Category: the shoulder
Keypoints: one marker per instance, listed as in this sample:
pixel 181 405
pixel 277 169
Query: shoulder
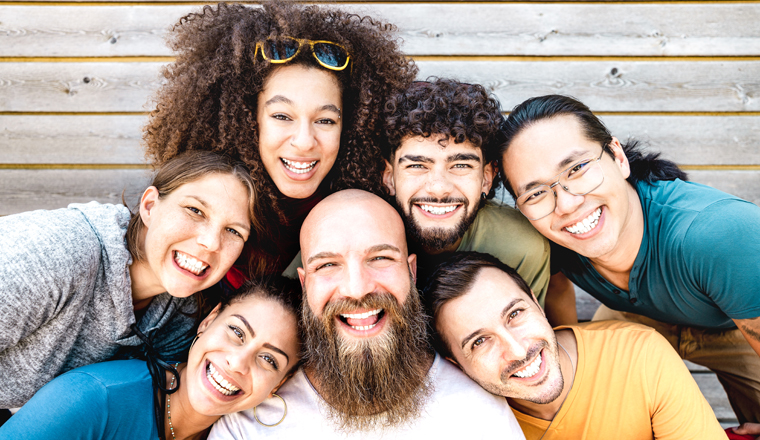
pixel 500 229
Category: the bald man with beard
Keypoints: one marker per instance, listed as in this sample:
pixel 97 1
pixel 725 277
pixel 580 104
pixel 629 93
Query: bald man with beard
pixel 368 370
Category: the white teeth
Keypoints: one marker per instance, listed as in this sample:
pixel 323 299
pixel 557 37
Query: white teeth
pixel 586 224
pixel 218 382
pixel 298 167
pixel 438 210
pixel 531 370
pixel 363 327
pixel 361 315
pixel 189 263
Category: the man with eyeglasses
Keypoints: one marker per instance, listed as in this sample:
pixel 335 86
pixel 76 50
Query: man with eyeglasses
pixel 443 140
pixel 681 257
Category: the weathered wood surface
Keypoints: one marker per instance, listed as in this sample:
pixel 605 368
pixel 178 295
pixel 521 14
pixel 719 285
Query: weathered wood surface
pixel 687 140
pixel 66 139
pixel 622 86
pixel 744 184
pixel 694 140
pixel 26 190
pixel 426 29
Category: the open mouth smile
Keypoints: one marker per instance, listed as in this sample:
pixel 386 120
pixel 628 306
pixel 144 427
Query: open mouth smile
pixel 587 224
pixel 438 210
pixel 219 382
pixel 531 369
pixel 190 263
pixel 362 321
pixel 298 167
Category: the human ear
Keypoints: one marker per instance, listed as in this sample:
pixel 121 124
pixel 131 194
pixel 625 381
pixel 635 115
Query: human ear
pixel 489 171
pixel 209 319
pixel 388 178
pixel 621 160
pixel 412 260
pixel 147 202
pixel 301 274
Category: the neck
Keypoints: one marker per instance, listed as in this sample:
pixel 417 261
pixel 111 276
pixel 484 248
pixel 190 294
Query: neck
pixel 567 367
pixel 616 265
pixel 144 285
pixel 187 423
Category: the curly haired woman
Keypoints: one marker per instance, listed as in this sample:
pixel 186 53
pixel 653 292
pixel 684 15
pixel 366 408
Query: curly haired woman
pixel 294 91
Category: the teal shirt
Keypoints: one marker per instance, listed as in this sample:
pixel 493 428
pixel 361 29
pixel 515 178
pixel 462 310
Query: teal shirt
pixel 108 400
pixel 698 264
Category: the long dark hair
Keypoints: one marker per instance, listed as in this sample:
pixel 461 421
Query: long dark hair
pixel 645 166
pixel 283 290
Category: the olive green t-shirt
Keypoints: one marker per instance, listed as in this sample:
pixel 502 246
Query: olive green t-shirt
pixel 505 233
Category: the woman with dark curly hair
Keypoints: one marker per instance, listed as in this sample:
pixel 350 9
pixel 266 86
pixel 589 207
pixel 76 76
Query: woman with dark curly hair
pixel 294 91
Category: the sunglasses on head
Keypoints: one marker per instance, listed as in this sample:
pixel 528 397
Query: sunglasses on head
pixel 279 50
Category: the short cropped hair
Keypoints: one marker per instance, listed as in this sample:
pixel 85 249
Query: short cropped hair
pixel 453 278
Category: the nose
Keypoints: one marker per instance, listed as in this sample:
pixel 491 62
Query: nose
pixel 438 185
pixel 210 239
pixel 303 139
pixel 359 282
pixel 514 346
pixel 565 203
pixel 238 359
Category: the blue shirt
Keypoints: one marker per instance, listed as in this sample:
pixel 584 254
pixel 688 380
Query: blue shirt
pixel 698 264
pixel 105 400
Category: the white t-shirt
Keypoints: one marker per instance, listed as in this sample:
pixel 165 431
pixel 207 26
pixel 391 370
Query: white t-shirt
pixel 457 408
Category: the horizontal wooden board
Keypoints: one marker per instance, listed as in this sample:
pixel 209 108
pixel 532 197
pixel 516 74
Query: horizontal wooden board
pixel 115 139
pixel 744 184
pixel 693 140
pixel 52 139
pixel 623 86
pixel 426 29
pixel 27 190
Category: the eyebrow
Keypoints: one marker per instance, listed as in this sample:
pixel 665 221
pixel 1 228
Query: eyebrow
pixel 330 108
pixel 564 163
pixel 278 98
pixel 248 326
pixel 200 200
pixel 415 158
pixel 273 348
pixel 504 313
pixel 383 247
pixel 463 156
pixel 320 255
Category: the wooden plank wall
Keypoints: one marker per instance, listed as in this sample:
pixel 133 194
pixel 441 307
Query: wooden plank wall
pixel 75 79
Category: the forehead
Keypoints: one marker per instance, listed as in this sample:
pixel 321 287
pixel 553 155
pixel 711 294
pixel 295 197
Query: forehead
pixel 430 147
pixel 546 148
pixel 353 227
pixel 267 318
pixel 300 82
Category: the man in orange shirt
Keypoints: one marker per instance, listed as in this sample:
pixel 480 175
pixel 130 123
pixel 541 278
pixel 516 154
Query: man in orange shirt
pixel 604 379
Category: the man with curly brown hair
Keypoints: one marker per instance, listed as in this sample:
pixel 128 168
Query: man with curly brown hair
pixel 443 138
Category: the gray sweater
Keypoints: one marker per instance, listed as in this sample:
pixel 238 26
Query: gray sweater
pixel 66 299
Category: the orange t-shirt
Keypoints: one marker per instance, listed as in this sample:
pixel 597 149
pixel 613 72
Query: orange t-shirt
pixel 629 384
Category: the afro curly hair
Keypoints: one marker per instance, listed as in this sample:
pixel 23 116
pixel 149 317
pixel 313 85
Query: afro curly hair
pixel 209 98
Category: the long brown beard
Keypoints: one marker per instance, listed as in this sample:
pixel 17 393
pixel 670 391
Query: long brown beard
pixel 376 382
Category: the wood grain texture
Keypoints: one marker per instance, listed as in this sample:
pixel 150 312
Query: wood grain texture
pixel 69 139
pixel 623 86
pixel 744 184
pixel 709 86
pixel 27 190
pixel 425 28
pixel 77 87
pixel 694 140
pixel 687 140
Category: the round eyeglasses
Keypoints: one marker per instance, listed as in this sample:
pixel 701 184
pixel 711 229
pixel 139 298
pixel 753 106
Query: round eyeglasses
pixel 579 179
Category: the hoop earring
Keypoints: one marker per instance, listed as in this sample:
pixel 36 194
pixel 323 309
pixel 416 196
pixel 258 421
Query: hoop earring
pixel 283 415
pixel 195 339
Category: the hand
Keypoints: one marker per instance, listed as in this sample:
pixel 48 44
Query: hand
pixel 749 430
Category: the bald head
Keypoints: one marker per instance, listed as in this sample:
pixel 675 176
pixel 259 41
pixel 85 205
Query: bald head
pixel 350 213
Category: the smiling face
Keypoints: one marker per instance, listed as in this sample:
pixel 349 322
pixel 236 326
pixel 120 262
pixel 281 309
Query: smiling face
pixel 241 355
pixel 501 339
pixel 547 147
pixel 192 236
pixel 438 189
pixel 352 248
pixel 299 122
